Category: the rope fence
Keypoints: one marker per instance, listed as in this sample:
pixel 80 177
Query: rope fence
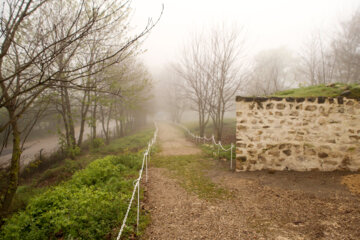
pixel 204 139
pixel 146 158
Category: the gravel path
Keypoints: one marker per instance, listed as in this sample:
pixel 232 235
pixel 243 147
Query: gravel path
pixel 278 206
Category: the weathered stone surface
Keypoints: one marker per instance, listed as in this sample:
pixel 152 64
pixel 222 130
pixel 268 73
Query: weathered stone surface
pixel 322 121
pixel 330 162
pixel 287 152
pixel 321 133
pixel 274 153
pixel 310 152
pixel 280 106
pixel 311 108
pixel 321 99
pixel 354 137
pixel 241 145
pixel 294 113
pixel 269 106
pixel 323 155
pixel 241 127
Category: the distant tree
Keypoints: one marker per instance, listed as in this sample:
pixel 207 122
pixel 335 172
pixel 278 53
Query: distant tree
pixel 273 70
pixel 317 60
pixel 173 91
pixel 346 48
pixel 213 68
pixel 197 82
pixel 226 68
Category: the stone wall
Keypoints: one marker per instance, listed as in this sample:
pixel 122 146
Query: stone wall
pixel 301 134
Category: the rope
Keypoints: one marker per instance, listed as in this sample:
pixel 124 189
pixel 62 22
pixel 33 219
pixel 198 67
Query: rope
pixel 146 157
pixel 204 138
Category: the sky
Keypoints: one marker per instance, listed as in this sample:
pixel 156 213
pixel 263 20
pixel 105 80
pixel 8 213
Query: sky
pixel 267 23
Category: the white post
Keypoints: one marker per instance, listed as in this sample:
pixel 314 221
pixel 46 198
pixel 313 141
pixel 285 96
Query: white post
pixel 138 208
pixel 231 156
pixel 146 167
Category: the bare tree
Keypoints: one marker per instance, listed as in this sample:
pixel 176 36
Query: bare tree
pixel 317 61
pixel 197 83
pixel 173 91
pixel 213 67
pixel 225 67
pixel 272 71
pixel 38 39
pixel 346 47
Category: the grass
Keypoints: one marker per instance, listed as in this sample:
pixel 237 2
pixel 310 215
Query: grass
pixel 322 90
pixel 229 130
pixel 192 173
pixel 58 176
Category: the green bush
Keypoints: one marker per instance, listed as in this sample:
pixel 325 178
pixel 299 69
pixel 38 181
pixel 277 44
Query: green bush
pixel 97 143
pixel 88 206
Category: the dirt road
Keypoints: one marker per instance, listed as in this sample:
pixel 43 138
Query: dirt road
pixel 281 205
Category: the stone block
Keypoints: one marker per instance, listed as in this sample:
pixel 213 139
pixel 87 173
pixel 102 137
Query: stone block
pixel 241 145
pixel 310 108
pixel 269 106
pixel 280 106
pixel 354 137
pixel 241 158
pixel 287 152
pixel 294 114
pixel 241 127
pixel 274 153
pixel 323 155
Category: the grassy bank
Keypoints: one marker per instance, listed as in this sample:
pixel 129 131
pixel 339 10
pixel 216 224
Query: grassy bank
pixel 332 90
pixel 89 203
pixel 40 175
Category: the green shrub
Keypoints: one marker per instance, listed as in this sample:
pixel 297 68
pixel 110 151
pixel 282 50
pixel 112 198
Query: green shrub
pixel 97 143
pixel 88 206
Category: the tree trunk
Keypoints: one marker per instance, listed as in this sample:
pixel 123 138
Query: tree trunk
pixel 13 177
pixel 70 119
pixel 94 120
pixel 84 111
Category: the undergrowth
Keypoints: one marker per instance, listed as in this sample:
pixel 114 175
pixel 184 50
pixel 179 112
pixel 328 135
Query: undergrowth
pixel 91 205
pixel 61 171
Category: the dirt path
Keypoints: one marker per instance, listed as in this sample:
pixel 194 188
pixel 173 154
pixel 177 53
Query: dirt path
pixel 264 206
pixel 49 145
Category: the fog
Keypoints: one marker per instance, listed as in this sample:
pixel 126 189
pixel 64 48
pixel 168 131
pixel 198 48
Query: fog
pixel 268 24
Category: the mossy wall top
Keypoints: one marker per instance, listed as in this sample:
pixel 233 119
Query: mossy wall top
pixel 302 134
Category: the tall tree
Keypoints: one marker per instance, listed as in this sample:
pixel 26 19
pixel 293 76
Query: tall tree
pixel 37 41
